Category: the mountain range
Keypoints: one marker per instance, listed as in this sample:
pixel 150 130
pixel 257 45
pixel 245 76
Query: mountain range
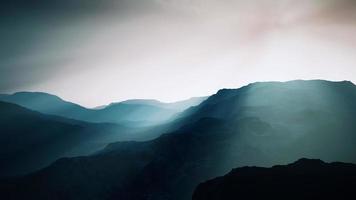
pixel 261 124
pixel 138 112
pixel 32 139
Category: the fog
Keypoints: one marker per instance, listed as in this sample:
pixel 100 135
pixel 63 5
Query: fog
pixel 94 53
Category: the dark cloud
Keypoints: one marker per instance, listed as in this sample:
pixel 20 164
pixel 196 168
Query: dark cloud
pixel 72 7
pixel 26 26
pixel 57 5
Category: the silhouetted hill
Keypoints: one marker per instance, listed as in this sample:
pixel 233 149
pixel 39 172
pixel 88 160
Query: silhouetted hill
pixel 262 124
pixel 30 140
pixel 131 113
pixel 304 179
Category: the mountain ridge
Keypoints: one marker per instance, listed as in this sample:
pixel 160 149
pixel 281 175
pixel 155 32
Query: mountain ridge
pixel 260 125
pixel 139 112
pixel 31 140
pixel 302 179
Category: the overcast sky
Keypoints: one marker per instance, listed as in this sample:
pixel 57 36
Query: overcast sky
pixel 96 52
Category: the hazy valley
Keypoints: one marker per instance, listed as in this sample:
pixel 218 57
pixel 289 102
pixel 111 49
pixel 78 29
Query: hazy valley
pixel 261 124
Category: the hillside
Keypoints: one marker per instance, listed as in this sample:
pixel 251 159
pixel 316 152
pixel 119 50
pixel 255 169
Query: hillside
pixel 304 179
pixel 30 140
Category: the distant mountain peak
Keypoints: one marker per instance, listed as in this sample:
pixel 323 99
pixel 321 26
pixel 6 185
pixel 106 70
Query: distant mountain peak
pixel 293 84
pixel 35 93
pixel 307 161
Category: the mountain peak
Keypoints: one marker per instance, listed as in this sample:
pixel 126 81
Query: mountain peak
pixel 141 101
pixel 293 84
pixel 307 161
pixel 36 94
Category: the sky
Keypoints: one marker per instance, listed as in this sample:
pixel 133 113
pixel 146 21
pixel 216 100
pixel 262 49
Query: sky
pixel 96 52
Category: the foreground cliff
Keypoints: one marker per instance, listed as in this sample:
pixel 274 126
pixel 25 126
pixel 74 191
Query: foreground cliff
pixel 303 179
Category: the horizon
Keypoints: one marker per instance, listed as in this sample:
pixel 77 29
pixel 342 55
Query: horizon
pixel 169 102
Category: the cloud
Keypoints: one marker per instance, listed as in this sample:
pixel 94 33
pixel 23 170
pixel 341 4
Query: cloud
pixel 154 48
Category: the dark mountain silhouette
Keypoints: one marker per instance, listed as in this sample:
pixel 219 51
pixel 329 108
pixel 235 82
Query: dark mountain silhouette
pixel 131 113
pixel 304 179
pixel 30 140
pixel 262 124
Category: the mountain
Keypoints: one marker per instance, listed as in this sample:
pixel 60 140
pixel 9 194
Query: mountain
pixel 261 124
pixel 131 112
pixel 304 179
pixel 143 112
pixel 179 105
pixel 134 114
pixel 47 104
pixel 31 140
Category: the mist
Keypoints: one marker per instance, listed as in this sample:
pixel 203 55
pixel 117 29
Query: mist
pixel 93 53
